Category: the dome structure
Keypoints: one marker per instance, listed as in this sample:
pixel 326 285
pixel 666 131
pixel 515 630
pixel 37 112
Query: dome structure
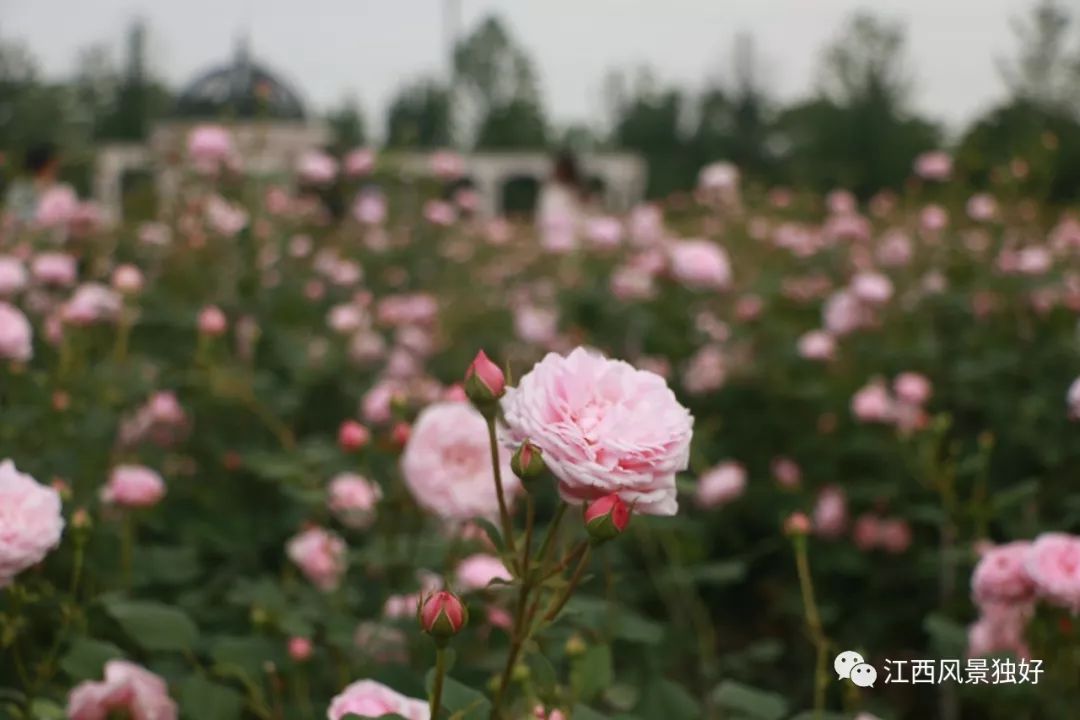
pixel 241 89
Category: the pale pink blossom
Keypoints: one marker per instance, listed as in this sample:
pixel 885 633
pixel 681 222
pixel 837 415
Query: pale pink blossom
pixel 872 287
pixel 537 325
pixel 352 498
pixel 127 279
pixel 830 512
pixel 133 486
pixel 370 208
pixel 720 485
pixel 439 212
pixel 212 321
pixel 53 268
pixel 447 463
pixel 935 166
pixel 786 471
pixel 360 161
pixel 13 275
pixel 316 167
pixel 320 555
pixel 912 388
pixel 604 427
pixel 30 521
pixel 128 690
pixel 478 571
pixel 706 371
pixel 873 403
pixel 1001 575
pixel 447 165
pixel 209 146
pixel 1053 564
pixel 604 232
pixel 57 206
pixel 371 699
pixel 817 345
pixel 92 303
pixel 700 264
pixel 16 334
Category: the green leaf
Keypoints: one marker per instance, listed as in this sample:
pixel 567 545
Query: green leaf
pixel 46 710
pixel 460 698
pixel 201 699
pixel 249 654
pixel 749 702
pixel 167 565
pixel 86 657
pixel 154 626
pixel 592 672
pixel 948 636
pixel 664 700
pixel 542 673
pixel 493 534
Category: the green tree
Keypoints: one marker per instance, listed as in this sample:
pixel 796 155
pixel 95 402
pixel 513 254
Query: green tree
pixel 346 123
pixel 419 117
pixel 860 131
pixel 497 100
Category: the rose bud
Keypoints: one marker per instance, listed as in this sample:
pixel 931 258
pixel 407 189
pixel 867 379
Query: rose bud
pixel 484 381
pixel 443 615
pixel 299 648
pixel 212 321
pixel 797 524
pixel 527 462
pixel 352 436
pixel 606 518
pixel 399 434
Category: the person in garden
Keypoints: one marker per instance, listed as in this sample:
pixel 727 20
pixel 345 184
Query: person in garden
pixel 41 167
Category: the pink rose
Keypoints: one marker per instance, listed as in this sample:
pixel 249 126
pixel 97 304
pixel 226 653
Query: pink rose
pixel 360 161
pixel 842 313
pixel 830 512
pixel 786 471
pixel 127 279
pixel 133 486
pixel 646 225
pixel 817 345
pixel 352 498
pixel 1000 628
pixel 706 371
pixel 1001 576
pixel 30 521
pixel 700 264
pixel 447 463
pixel 1054 566
pixel 370 208
pixel 719 176
pixel 92 303
pixel 1072 399
pixel 604 427
pixel 316 167
pixel 536 325
pixel 720 485
pixel 872 288
pixel 912 388
pixel 13 276
pixel 212 321
pixel 447 165
pixel 872 403
pixel 320 555
pixel 16 335
pixel 53 268
pixel 439 212
pixel 605 232
pixel 370 699
pixel 128 690
pixel 982 207
pixel 476 572
pixel 935 166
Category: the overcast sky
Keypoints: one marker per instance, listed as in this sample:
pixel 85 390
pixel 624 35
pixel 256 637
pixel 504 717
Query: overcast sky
pixel 328 48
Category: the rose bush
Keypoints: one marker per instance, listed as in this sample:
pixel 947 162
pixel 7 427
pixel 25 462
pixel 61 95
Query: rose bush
pixel 254 439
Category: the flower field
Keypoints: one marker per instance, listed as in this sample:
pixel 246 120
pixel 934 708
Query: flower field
pixel 262 460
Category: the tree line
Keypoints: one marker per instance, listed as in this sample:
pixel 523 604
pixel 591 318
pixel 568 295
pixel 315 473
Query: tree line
pixel 856 128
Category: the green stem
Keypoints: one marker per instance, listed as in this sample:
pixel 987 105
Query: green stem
pixel 813 624
pixel 437 687
pixel 561 600
pixel 504 514
pixel 552 531
pixel 127 547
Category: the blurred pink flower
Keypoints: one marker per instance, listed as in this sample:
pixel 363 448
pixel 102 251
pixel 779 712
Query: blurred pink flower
pixel 720 485
pixel 872 288
pixel 13 275
pixel 982 207
pixel 817 345
pixel 439 212
pixel 604 232
pixel 912 388
pixel 16 335
pixel 1001 575
pixel 370 208
pixel 30 521
pixel 352 498
pixel 447 463
pixel 212 321
pixel 320 555
pixel 371 699
pixel 1000 628
pixel 300 648
pixel 604 427
pixel 92 303
pixel 873 403
pixel 209 146
pixel 360 161
pixel 706 370
pixel 646 225
pixel 127 279
pixel 786 472
pixel 53 268
pixel 133 486
pixel 476 572
pixel 316 167
pixel 830 512
pixel 1053 564
pixel 128 690
pixel 700 264
pixel 447 165
pixel 935 166
pixel 536 325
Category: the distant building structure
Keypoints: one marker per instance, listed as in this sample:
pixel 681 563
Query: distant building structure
pixel 271 129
